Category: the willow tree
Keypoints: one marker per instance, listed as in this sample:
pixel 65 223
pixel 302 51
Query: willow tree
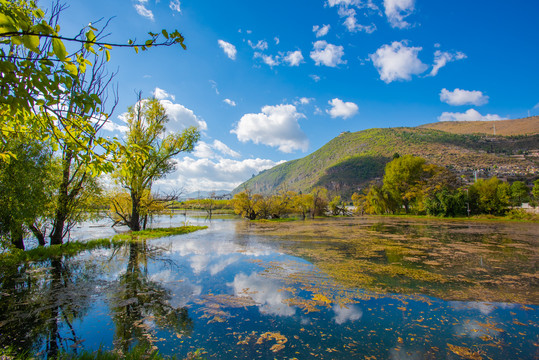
pixel 148 153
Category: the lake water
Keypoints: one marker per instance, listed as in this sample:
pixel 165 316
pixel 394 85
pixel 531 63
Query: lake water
pixel 376 288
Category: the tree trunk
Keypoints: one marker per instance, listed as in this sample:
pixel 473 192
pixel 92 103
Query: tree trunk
pixel 135 212
pixel 145 222
pixel 17 236
pixel 57 233
pixel 38 234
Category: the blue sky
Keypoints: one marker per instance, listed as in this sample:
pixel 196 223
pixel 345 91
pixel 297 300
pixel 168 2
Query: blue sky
pixel 269 81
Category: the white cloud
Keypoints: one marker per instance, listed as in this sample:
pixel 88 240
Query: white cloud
pixel 212 174
pixel 112 126
pixel 470 115
pixel 230 102
pixel 536 106
pixel 441 58
pixel 208 151
pixel 277 41
pixel 397 61
pixel 260 45
pixel 203 150
pixel 347 11
pixel 459 97
pixel 305 101
pixel 181 117
pixel 269 60
pixel 174 5
pixel 327 54
pixel 228 48
pixel 143 11
pixel 214 86
pixel 161 94
pixel 316 78
pixel 333 3
pixel 294 58
pixel 342 109
pixel 321 30
pixel 220 146
pixel 397 10
pixel 351 21
pixel 275 126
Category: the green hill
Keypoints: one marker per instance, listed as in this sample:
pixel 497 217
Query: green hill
pixel 352 160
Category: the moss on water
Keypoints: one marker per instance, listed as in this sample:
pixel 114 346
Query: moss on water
pixel 479 261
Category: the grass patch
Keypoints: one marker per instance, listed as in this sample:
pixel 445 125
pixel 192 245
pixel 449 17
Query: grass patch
pixel 16 256
pixel 157 233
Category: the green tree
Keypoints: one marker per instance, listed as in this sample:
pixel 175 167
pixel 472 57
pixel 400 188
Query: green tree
pixel 379 201
pixel 535 190
pixel 446 202
pixel 519 192
pixel 148 153
pixel 491 196
pixel 26 187
pixel 359 203
pixel 337 206
pixel 401 177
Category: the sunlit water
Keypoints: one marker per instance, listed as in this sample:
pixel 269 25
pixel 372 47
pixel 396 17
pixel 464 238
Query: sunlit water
pixel 239 295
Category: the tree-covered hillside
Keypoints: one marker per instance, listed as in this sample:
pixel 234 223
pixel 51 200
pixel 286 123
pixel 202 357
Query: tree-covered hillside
pixel 350 161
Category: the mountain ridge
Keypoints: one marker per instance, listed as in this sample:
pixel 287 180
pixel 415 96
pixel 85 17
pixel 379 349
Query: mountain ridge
pixel 351 160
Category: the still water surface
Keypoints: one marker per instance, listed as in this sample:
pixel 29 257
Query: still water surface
pixel 267 291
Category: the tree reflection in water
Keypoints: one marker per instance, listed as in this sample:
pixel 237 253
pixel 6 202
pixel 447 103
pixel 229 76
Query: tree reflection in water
pixel 139 305
pixel 39 303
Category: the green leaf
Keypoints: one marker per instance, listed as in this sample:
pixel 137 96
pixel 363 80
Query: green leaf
pixel 59 49
pixel 136 49
pixel 165 33
pixel 107 53
pixel 31 42
pixel 6 22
